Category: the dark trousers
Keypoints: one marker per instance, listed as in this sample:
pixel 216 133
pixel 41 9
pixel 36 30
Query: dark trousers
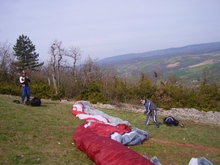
pixel 153 115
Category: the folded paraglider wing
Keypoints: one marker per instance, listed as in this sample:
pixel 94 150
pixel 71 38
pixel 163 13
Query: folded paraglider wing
pixel 105 151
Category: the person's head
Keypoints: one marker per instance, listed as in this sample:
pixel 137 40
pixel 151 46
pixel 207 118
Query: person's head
pixel 24 72
pixel 142 101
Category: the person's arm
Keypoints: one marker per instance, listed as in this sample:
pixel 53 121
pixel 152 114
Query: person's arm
pixel 22 80
pixel 147 105
pixel 27 79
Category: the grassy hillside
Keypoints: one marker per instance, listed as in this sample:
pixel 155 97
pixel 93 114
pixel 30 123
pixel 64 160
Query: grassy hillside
pixel 185 67
pixel 43 135
pixel 164 53
pixel 189 63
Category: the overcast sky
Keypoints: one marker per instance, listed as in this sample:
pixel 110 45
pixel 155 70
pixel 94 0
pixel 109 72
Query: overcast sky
pixel 105 28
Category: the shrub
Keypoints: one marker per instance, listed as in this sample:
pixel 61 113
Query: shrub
pixel 96 97
pixel 42 90
pixel 10 89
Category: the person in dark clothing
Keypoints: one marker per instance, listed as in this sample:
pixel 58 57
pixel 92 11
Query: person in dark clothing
pixel 24 82
pixel 151 109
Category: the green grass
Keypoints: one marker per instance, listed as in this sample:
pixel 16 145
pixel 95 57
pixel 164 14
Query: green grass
pixel 43 135
pixel 38 135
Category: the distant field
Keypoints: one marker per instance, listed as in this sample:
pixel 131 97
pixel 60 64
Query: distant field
pixel 43 135
pixel 187 67
pixel 173 65
pixel 202 63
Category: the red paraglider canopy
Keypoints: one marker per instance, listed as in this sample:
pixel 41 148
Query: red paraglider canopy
pixel 105 151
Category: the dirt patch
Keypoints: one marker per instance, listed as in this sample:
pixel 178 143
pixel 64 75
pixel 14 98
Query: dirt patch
pixel 168 143
pixel 173 65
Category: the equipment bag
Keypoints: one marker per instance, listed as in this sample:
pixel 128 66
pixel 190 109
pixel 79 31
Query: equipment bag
pixel 170 121
pixel 36 101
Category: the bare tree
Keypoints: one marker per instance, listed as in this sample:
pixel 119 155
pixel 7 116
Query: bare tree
pixel 156 77
pixel 75 54
pixel 6 60
pixel 90 71
pixel 57 52
pixel 173 79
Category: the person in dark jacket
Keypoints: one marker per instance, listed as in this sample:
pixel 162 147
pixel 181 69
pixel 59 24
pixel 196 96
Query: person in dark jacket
pixel 151 109
pixel 24 82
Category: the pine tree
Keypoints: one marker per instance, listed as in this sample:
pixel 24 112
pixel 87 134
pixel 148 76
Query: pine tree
pixel 27 58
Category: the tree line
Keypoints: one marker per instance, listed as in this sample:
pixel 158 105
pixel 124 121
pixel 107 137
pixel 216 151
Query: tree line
pixel 67 76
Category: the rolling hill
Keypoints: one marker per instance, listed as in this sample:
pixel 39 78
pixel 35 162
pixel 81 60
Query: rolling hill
pixel 189 63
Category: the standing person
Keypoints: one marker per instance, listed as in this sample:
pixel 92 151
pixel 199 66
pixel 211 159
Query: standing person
pixel 24 81
pixel 152 109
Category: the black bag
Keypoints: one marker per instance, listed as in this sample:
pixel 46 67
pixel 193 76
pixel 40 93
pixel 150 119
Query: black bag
pixel 36 101
pixel 170 121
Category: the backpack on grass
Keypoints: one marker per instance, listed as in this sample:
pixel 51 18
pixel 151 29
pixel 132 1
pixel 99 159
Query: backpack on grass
pixel 170 121
pixel 36 101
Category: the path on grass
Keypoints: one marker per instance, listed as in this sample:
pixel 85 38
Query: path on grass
pixel 163 142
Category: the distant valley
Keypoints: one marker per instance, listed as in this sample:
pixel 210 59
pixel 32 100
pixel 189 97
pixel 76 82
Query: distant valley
pixel 192 63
